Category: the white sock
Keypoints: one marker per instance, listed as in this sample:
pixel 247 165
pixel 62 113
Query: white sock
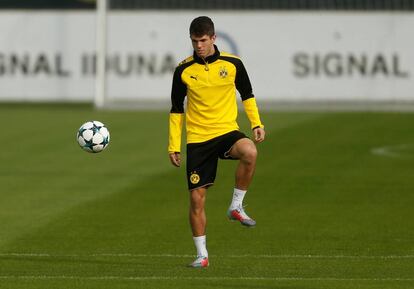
pixel 238 196
pixel 200 243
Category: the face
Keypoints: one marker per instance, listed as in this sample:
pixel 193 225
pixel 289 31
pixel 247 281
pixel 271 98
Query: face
pixel 204 45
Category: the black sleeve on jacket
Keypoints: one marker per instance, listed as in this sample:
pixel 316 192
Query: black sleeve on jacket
pixel 179 89
pixel 243 84
pixel 178 92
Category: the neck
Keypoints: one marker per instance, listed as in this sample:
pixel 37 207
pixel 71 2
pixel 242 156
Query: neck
pixel 212 51
pixel 210 57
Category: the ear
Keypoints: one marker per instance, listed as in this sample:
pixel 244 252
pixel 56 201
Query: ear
pixel 213 37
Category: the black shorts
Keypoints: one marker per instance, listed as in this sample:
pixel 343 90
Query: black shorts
pixel 202 158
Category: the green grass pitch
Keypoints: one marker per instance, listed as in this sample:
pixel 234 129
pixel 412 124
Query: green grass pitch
pixel 333 197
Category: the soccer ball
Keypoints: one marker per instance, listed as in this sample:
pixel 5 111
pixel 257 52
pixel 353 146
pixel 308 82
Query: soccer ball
pixel 93 136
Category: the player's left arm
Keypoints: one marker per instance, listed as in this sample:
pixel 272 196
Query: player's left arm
pixel 252 112
pixel 244 87
pixel 259 134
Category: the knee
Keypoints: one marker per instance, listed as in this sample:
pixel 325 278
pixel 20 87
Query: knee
pixel 250 154
pixel 197 199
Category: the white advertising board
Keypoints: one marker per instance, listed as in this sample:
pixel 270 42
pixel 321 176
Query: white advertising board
pixel 289 56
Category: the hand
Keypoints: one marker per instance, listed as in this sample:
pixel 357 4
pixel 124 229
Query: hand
pixel 175 158
pixel 259 134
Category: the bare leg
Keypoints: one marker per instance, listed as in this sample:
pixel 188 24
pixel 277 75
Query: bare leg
pixel 244 150
pixel 197 212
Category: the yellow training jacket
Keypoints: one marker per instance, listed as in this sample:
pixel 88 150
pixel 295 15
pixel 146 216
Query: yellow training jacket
pixel 210 86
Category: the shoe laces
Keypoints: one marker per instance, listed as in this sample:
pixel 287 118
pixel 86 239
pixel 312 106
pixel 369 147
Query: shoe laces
pixel 241 211
pixel 200 258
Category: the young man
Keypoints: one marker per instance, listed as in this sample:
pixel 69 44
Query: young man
pixel 209 79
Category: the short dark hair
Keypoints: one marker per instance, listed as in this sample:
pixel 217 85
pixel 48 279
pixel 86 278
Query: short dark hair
pixel 202 25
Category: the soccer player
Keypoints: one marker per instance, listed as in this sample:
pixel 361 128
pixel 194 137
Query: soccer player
pixel 209 79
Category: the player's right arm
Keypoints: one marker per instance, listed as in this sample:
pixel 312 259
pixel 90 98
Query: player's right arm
pixel 175 159
pixel 176 119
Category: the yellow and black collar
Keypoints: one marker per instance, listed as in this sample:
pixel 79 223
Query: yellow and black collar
pixel 208 59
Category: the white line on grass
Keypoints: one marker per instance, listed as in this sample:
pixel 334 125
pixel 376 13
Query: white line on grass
pixel 259 256
pixel 322 256
pixel 395 151
pixel 170 278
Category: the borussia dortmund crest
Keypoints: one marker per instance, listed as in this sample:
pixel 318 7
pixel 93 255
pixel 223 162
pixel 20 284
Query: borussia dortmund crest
pixel 223 72
pixel 194 178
